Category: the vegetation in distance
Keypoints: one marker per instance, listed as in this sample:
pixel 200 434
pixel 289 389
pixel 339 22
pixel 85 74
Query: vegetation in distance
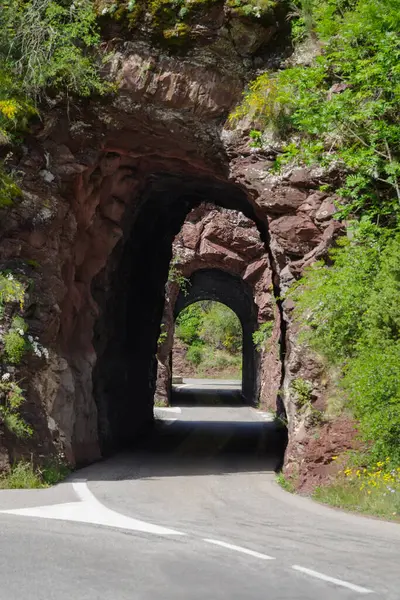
pixel 212 336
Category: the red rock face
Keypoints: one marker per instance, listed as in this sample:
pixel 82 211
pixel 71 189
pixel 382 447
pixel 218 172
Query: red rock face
pixel 87 177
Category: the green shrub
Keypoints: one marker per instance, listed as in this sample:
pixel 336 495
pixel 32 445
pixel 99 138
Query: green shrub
pixel 53 472
pixel 14 346
pixel 355 126
pixel 222 363
pixel 11 396
pixel 252 8
pixel 175 275
pixel 262 335
pixel 302 390
pixel 50 44
pixel 189 323
pixel 11 290
pixel 9 190
pixel 285 483
pixel 23 475
pixel 351 315
pixel 194 355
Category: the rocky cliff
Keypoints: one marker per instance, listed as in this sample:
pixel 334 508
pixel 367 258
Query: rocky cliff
pixel 106 187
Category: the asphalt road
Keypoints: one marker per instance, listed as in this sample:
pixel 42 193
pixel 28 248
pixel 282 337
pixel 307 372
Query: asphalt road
pixel 194 515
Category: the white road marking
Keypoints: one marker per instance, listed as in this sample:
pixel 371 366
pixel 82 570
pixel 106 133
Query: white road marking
pixel 171 409
pixel 90 510
pixel 350 586
pixel 239 549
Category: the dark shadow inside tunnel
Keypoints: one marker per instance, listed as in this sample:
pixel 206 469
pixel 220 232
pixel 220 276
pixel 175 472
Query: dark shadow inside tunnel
pixel 199 447
pixel 130 294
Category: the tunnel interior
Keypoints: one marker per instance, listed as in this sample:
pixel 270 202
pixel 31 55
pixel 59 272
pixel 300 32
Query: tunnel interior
pixel 130 294
pixel 234 292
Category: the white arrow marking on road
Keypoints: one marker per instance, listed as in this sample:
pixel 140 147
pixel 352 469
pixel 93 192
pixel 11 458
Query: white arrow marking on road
pixel 90 510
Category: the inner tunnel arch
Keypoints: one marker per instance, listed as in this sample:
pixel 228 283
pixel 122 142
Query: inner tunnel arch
pixel 237 294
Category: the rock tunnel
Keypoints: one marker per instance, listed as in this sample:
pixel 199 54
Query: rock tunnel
pixel 234 292
pixel 130 294
pixel 106 188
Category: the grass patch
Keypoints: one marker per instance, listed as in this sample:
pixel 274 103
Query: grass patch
pixel 23 475
pixel 373 491
pixel 285 483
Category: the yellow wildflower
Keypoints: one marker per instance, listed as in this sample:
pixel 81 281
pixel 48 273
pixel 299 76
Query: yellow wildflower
pixel 8 108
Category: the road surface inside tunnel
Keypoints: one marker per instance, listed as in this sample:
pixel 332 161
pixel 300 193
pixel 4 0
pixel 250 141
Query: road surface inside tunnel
pixel 194 513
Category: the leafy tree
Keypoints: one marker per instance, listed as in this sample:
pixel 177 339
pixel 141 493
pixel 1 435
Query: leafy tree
pixel 221 328
pixel 189 323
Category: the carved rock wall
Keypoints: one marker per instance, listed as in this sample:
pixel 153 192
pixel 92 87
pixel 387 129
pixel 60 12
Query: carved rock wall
pixel 98 260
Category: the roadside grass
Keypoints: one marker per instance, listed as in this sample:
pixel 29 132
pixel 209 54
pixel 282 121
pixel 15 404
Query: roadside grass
pixel 285 483
pixel 23 475
pixel 374 491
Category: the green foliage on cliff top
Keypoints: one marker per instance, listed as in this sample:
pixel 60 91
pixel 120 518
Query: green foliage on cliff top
pixel 47 48
pixel 172 20
pixel 48 45
pixel 343 109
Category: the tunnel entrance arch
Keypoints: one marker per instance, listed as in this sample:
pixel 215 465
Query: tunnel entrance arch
pixel 130 297
pixel 234 292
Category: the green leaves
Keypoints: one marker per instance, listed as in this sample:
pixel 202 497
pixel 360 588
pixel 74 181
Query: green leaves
pixel 50 44
pixel 344 108
pixel 351 315
pixel 11 290
pixel 262 336
pixel 47 47
pixel 210 323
